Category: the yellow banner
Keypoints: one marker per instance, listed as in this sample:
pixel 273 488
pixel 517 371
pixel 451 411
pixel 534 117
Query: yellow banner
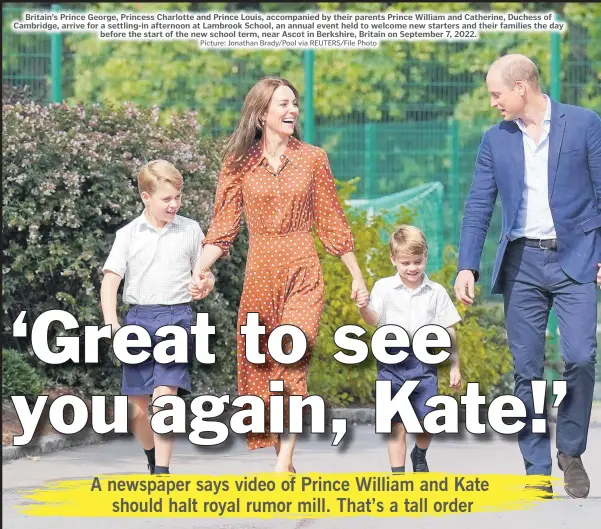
pixel 310 495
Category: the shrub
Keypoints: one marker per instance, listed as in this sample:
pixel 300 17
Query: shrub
pixel 18 377
pixel 69 182
pixel 12 94
pixel 481 334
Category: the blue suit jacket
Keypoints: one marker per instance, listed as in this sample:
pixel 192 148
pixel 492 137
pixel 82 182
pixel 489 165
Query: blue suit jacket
pixel 574 192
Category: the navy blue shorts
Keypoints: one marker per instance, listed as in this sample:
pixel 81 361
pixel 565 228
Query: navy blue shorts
pixel 411 369
pixel 427 387
pixel 141 379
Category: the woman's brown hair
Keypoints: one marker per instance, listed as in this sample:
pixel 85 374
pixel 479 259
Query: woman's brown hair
pixel 250 128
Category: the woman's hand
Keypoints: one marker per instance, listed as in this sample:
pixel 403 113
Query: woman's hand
pixel 359 292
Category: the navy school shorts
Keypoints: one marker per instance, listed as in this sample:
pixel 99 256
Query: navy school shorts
pixel 141 379
pixel 411 369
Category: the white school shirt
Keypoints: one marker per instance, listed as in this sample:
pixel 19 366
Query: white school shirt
pixel 411 309
pixel 156 263
pixel 534 219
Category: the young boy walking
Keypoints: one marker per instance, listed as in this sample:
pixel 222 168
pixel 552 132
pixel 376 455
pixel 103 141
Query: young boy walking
pixel 411 300
pixel 155 254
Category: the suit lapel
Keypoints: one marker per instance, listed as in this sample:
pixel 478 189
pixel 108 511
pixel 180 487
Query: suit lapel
pixel 555 138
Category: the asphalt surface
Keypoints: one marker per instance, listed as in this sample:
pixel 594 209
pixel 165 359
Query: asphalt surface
pixel 361 451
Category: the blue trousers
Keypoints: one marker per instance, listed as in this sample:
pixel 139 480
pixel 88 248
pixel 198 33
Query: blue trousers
pixel 533 282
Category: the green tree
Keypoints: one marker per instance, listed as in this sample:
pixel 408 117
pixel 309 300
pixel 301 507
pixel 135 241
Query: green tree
pixel 400 80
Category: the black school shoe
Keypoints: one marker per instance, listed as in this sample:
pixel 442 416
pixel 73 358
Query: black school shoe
pixel 418 460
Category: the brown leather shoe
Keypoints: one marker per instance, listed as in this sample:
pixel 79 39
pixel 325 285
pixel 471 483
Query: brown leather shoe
pixel 576 480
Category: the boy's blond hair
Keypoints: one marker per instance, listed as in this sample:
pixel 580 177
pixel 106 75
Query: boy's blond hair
pixel 157 171
pixel 408 240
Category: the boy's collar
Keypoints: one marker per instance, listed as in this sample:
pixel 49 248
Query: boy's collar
pixel 398 282
pixel 145 222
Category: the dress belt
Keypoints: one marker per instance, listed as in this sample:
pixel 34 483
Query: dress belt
pixel 543 244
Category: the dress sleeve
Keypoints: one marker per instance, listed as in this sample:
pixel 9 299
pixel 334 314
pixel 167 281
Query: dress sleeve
pixel 330 222
pixel 227 211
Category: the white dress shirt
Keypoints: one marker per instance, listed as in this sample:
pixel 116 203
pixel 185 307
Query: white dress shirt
pixel 534 219
pixel 411 309
pixel 156 263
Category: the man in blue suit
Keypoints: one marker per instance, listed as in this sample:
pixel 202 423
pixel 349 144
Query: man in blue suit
pixel 544 162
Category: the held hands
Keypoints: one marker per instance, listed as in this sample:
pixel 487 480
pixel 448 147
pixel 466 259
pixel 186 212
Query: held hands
pixel 359 293
pixel 464 287
pixel 362 300
pixel 201 285
pixel 115 326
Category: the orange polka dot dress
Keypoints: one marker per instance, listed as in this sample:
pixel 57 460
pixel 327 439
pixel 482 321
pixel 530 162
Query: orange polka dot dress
pixel 283 281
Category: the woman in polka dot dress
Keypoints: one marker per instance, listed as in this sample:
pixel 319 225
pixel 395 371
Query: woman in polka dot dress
pixel 285 188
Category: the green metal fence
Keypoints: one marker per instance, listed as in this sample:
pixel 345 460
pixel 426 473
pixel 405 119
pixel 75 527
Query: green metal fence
pixel 425 203
pixel 402 116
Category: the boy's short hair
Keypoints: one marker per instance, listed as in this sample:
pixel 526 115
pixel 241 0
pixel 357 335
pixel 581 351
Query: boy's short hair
pixel 157 171
pixel 409 240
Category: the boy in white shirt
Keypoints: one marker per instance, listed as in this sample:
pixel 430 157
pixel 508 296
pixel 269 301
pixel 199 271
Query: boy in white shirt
pixel 155 254
pixel 411 300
